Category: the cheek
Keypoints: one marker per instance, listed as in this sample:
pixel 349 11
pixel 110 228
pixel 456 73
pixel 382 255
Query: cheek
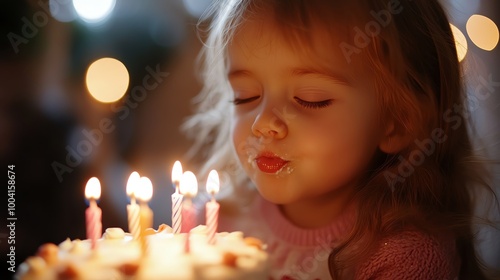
pixel 337 160
pixel 362 121
pixel 240 135
pixel 235 134
pixel 362 139
pixel 346 143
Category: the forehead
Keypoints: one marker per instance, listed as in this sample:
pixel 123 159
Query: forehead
pixel 317 46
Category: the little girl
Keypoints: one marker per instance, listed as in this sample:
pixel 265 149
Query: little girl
pixel 338 114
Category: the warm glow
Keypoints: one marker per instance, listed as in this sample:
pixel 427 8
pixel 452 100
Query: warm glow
pixel 460 42
pixel 483 32
pixel 133 183
pixel 145 190
pixel 107 80
pixel 176 172
pixel 213 182
pixel 93 189
pixel 189 184
pixel 93 10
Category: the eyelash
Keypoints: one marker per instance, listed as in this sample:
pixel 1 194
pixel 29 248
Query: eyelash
pixel 313 105
pixel 239 101
pixel 303 103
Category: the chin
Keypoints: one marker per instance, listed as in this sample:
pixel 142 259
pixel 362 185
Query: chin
pixel 273 188
pixel 275 200
pixel 275 197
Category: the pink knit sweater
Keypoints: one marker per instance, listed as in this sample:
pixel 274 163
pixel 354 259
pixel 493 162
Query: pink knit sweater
pixel 301 254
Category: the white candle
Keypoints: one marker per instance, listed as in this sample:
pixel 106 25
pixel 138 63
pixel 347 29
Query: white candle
pixel 176 198
pixel 212 207
pixel 144 194
pixel 189 188
pixel 93 214
pixel 133 209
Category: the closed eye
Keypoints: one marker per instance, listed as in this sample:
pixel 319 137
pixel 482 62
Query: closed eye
pixel 239 101
pixel 315 104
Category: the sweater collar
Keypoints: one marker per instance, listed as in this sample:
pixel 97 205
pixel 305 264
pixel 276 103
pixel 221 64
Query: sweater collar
pixel 295 235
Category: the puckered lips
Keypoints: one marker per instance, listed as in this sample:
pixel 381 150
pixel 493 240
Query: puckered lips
pixel 269 162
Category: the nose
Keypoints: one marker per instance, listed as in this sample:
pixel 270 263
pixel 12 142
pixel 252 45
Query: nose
pixel 270 124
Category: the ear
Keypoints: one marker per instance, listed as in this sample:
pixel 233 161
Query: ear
pixel 394 139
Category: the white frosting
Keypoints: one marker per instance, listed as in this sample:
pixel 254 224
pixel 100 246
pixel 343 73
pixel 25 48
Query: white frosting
pixel 164 258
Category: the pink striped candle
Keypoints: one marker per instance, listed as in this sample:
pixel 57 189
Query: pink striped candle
pixel 134 227
pixel 93 214
pixel 133 208
pixel 177 212
pixel 176 198
pixel 189 188
pixel 188 215
pixel 212 207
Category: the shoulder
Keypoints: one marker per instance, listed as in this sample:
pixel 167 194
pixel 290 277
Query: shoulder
pixel 412 255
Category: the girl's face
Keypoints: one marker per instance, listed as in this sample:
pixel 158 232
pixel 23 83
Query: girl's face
pixel 306 124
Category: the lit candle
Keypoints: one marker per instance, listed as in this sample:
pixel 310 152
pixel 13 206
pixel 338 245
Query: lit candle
pixel 189 188
pixel 93 213
pixel 133 208
pixel 144 194
pixel 176 198
pixel 212 207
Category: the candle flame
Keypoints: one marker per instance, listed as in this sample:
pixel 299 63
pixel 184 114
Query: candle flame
pixel 213 184
pixel 145 190
pixel 176 172
pixel 133 183
pixel 93 189
pixel 189 184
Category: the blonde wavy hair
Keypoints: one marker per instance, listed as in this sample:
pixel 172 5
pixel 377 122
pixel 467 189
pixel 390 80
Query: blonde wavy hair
pixel 418 81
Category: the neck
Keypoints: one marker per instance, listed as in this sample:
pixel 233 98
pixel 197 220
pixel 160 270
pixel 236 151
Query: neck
pixel 318 212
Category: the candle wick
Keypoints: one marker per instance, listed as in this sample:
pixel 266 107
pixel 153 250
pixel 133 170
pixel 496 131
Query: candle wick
pixel 132 200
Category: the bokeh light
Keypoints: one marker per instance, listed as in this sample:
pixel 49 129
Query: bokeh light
pixel 196 7
pixel 460 42
pixel 483 32
pixel 107 80
pixel 62 11
pixel 94 10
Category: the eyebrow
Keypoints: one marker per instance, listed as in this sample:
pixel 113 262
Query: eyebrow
pixel 328 75
pixel 238 73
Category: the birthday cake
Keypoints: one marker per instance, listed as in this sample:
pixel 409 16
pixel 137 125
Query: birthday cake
pixel 164 256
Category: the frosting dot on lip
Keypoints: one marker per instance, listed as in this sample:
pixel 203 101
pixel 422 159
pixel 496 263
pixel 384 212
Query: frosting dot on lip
pixel 285 171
